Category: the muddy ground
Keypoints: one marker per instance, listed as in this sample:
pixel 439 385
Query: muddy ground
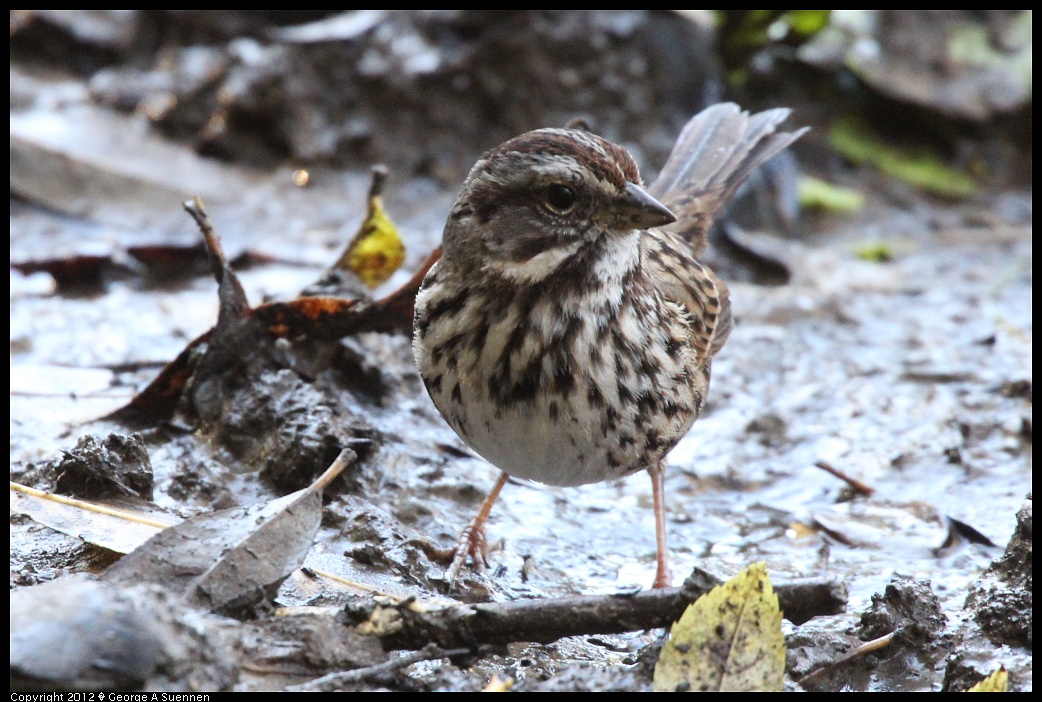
pixel 892 342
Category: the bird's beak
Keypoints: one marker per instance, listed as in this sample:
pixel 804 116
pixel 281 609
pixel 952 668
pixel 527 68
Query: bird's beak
pixel 635 209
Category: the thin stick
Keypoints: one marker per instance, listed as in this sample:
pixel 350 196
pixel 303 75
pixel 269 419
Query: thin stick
pixel 336 468
pixel 858 486
pixel 231 295
pixel 867 647
pixel 218 261
pixel 333 681
pixel 92 506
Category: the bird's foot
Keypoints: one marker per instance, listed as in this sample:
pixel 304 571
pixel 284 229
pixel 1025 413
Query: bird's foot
pixel 663 578
pixel 473 544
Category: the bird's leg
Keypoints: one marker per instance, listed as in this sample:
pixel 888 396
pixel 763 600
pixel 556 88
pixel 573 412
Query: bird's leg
pixel 472 539
pixel 662 576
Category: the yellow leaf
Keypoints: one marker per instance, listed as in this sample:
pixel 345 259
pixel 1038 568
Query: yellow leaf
pixel 376 251
pixel 996 682
pixel 730 639
pixel 497 685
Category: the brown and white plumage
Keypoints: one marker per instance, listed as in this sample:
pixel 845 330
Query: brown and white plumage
pixel 716 151
pixel 568 331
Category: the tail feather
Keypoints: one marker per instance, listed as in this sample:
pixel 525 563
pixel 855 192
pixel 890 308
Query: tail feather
pixel 717 150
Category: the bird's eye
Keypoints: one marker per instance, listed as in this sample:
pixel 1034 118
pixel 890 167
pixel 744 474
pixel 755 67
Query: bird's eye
pixel 560 198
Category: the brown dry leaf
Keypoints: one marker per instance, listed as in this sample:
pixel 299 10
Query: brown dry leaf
pixel 120 525
pixel 729 640
pixel 996 682
pixel 239 326
pixel 234 558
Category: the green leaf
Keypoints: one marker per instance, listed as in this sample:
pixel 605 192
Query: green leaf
pixel 923 170
pixel 817 194
pixel 877 252
pixel 730 639
pixel 807 23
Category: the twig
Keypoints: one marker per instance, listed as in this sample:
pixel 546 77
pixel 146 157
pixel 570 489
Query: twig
pixel 544 621
pixel 802 600
pixel 334 681
pixel 232 297
pixel 91 507
pixel 855 484
pixel 345 457
pixel 218 262
pixel 376 186
pixel 867 647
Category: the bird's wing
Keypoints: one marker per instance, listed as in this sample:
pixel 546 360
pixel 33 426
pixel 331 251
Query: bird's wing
pixel 683 280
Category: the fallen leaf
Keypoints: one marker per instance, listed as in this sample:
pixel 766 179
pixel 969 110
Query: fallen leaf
pixel 923 170
pixel 730 639
pixel 376 251
pixel 496 684
pixel 234 558
pixel 120 525
pixel 996 682
pixel 211 354
pixel 817 194
pixel 875 252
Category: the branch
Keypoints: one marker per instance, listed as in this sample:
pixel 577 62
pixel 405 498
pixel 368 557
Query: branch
pixel 374 673
pixel 405 625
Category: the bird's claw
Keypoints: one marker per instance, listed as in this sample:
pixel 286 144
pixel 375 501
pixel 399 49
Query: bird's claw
pixel 472 543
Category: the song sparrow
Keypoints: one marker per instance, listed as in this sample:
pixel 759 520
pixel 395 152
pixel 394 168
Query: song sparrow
pixel 568 330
